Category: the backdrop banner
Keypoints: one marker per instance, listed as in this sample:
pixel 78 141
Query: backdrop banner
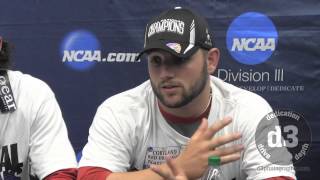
pixel 85 51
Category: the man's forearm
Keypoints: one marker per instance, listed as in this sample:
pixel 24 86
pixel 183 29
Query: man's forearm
pixel 146 174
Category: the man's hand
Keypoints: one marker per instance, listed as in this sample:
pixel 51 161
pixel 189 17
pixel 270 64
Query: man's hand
pixel 173 172
pixel 194 159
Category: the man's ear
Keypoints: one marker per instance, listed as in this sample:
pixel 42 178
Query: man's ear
pixel 213 60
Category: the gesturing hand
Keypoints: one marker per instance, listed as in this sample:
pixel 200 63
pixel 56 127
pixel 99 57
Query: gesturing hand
pixel 193 161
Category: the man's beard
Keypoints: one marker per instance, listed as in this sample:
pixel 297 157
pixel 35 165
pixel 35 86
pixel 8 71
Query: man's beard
pixel 187 95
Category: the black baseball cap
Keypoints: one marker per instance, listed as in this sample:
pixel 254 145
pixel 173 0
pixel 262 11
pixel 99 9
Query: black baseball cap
pixel 179 31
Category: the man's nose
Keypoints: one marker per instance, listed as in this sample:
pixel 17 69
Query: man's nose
pixel 166 72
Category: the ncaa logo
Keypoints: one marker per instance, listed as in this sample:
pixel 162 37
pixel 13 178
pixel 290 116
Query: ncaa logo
pixel 251 38
pixel 80 50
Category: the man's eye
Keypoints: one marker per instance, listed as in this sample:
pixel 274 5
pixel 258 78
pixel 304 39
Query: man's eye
pixel 156 60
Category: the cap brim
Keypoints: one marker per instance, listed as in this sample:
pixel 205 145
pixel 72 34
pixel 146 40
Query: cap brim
pixel 162 46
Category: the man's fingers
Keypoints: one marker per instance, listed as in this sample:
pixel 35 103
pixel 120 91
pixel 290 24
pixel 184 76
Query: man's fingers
pixel 201 129
pixel 230 158
pixel 227 150
pixel 160 172
pixel 215 127
pixel 172 166
pixel 178 173
pixel 174 173
pixel 221 140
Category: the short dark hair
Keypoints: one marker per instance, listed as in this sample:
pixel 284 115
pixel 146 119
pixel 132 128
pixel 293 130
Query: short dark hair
pixel 5 55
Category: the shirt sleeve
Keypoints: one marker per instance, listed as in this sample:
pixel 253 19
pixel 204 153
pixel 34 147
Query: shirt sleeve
pixel 110 142
pixel 96 173
pixel 50 148
pixel 253 163
pixel 280 178
pixel 64 174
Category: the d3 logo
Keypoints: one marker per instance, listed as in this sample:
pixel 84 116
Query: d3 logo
pixel 283 135
pixel 274 137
